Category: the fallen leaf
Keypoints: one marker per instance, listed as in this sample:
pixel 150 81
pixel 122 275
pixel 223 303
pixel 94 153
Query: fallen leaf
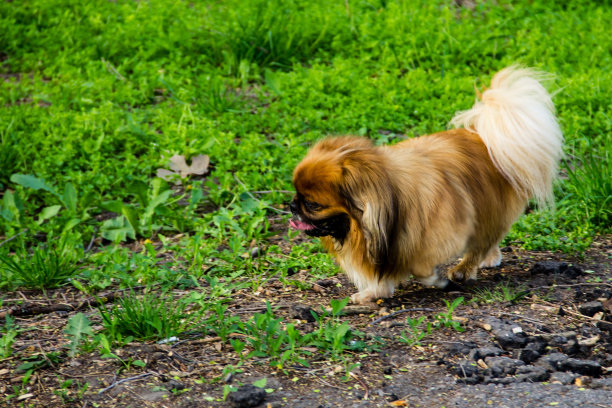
pixel 199 165
pixel 178 166
pixel 399 403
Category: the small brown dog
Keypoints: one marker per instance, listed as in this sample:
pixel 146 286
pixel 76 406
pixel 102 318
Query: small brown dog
pixel 391 212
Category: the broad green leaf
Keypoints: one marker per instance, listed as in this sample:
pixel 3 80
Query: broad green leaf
pixel 117 229
pixel 35 183
pixel 112 205
pixel 131 214
pixel 10 209
pixel 70 197
pixel 77 326
pixel 140 189
pixel 71 224
pixel 48 212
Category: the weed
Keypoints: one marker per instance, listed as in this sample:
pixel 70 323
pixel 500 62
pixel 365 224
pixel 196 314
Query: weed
pixel 146 317
pixel 415 333
pixel 9 333
pixel 446 319
pixel 45 268
pixel 503 292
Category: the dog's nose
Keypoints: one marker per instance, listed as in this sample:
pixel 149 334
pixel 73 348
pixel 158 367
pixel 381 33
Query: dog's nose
pixel 293 207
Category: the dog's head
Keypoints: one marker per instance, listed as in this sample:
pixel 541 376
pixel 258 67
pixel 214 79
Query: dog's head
pixel 342 188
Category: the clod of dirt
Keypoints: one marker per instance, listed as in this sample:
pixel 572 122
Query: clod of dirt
pixel 502 366
pixel 484 352
pixel 507 339
pixel 590 308
pixel 532 373
pixel 551 361
pixel 557 268
pixel 584 367
pixel 528 354
pixel 302 313
pixel 247 396
pixel 563 378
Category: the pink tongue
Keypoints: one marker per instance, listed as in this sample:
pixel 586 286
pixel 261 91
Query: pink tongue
pixel 300 225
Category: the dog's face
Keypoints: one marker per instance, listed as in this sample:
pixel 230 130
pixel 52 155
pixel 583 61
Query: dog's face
pixel 318 208
pixel 343 192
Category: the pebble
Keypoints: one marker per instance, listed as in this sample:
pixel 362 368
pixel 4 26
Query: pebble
pixel 551 361
pixel 563 378
pixel 590 308
pixel 584 367
pixel 502 366
pixel 247 396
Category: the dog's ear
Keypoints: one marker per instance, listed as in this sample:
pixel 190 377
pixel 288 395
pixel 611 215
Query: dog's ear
pixel 369 194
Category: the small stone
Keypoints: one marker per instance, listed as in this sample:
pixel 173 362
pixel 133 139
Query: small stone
pixel 465 369
pixel 584 367
pixel 527 355
pixel 590 308
pixel 302 313
pixel 563 378
pixel 255 252
pixel 247 396
pixel 484 352
pixel 173 385
pixel 502 366
pixel 531 373
pixel 547 268
pixel 551 361
pixel 509 340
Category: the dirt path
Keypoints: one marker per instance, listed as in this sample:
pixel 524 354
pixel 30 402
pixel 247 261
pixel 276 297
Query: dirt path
pixel 551 345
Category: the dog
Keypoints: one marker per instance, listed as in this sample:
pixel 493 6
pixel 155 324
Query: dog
pixel 391 212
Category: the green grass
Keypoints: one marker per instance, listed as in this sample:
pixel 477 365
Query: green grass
pixel 44 268
pixel 96 96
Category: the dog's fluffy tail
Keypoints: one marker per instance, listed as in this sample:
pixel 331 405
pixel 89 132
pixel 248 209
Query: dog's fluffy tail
pixel 515 119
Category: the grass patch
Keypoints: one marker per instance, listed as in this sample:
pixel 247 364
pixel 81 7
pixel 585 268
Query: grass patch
pixel 150 316
pixel 44 268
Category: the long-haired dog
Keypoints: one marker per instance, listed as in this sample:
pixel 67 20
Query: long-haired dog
pixel 387 213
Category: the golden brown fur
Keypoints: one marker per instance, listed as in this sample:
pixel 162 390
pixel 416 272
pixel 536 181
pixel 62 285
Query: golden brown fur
pixel 410 207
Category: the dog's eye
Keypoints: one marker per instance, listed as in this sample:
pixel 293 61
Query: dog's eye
pixel 312 206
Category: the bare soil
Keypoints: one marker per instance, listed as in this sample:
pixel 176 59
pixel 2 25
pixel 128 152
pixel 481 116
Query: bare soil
pixel 552 347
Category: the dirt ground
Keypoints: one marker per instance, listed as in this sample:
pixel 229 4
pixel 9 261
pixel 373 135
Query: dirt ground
pixel 552 346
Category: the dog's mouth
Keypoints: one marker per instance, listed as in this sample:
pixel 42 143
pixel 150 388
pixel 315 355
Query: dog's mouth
pixel 301 225
pixel 336 226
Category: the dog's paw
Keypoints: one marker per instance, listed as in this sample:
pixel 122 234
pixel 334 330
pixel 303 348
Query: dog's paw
pixel 493 259
pixel 462 274
pixel 362 298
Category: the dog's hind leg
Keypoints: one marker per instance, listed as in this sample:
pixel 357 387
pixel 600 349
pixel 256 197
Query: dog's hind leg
pixel 492 259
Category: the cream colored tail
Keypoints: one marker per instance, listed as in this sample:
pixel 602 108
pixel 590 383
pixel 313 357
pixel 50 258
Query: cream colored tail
pixel 515 119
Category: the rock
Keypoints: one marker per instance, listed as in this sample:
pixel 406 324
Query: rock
pixel 173 385
pixel 584 367
pixel 565 342
pixel 466 369
pixel 255 252
pixel 502 366
pixel 507 339
pixel 551 361
pixel 531 373
pixel 563 378
pixel 302 313
pixel 484 352
pixel 590 308
pixel 551 267
pixel 527 355
pixel 247 396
